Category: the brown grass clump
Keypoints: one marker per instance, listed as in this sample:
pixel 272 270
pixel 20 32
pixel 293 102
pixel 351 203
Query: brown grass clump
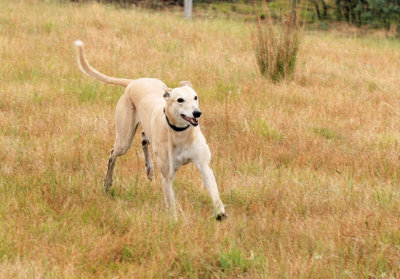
pixel 276 43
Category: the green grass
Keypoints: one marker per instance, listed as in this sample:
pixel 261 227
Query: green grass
pixel 326 133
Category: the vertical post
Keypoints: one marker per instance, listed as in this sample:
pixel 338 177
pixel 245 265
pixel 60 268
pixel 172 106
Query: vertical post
pixel 188 4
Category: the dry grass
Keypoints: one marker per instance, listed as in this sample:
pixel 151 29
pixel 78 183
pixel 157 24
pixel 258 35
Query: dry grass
pixel 276 43
pixel 309 169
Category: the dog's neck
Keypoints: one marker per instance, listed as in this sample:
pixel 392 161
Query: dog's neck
pixel 173 127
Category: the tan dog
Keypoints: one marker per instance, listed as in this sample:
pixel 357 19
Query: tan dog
pixel 169 118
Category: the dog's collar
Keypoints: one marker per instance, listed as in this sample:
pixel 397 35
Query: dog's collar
pixel 173 127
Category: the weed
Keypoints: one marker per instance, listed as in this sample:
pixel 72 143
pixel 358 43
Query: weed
pixel 326 133
pixel 276 44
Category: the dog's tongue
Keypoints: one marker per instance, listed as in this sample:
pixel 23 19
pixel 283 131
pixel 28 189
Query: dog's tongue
pixel 191 120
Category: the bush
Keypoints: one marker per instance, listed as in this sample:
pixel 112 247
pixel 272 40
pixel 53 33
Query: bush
pixel 378 13
pixel 276 43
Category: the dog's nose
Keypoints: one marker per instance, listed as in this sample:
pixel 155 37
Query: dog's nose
pixel 196 113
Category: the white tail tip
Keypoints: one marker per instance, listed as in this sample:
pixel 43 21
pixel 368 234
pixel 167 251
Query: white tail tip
pixel 78 43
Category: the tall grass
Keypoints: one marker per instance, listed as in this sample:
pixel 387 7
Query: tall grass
pixel 308 169
pixel 276 42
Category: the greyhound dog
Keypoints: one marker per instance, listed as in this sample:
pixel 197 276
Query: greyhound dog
pixel 169 119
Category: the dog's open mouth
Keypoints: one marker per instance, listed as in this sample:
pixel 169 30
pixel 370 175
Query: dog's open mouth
pixel 193 121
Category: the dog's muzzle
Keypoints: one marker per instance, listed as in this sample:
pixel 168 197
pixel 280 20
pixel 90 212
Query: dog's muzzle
pixel 193 121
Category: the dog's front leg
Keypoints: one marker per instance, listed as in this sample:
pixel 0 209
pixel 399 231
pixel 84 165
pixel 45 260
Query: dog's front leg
pixel 167 170
pixel 211 185
pixel 167 178
pixel 169 195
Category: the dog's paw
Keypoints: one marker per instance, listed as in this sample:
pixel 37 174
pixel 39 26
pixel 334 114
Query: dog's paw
pixel 149 172
pixel 221 216
pixel 107 185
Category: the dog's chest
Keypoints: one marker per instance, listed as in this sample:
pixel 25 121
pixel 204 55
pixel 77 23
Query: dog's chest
pixel 181 157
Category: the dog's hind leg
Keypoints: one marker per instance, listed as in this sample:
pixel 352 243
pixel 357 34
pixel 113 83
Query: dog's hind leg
pixel 149 161
pixel 125 125
pixel 110 170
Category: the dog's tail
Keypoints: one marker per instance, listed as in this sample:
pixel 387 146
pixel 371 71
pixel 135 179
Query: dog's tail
pixel 92 72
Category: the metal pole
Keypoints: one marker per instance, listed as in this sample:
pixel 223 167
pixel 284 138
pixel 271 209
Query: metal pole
pixel 188 8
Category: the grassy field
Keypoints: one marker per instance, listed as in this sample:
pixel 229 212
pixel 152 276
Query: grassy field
pixel 309 169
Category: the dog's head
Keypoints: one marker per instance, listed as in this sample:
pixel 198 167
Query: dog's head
pixel 182 105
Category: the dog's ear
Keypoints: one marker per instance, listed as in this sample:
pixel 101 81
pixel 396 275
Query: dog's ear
pixel 185 83
pixel 166 94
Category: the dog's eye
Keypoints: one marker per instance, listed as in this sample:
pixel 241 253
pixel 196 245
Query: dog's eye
pixel 180 100
pixel 195 98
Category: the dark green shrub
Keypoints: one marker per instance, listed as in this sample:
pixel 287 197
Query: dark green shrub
pixel 378 13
